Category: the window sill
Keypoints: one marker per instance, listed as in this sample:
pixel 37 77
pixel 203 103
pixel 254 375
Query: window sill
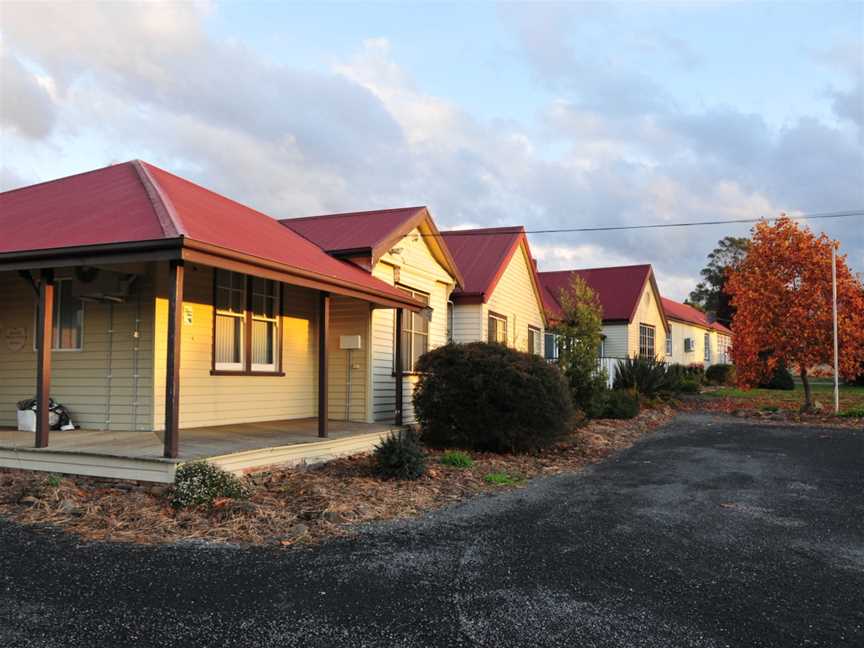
pixel 228 372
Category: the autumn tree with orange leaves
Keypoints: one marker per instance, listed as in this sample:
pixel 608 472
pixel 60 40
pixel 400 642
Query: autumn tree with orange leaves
pixel 782 295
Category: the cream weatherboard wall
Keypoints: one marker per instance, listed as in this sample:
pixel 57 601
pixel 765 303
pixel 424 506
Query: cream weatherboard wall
pixel 207 399
pixel 684 330
pixel 647 312
pixel 409 264
pixel 514 298
pixel 469 324
pixel 107 385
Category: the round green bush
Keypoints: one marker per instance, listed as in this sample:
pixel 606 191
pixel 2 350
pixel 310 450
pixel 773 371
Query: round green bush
pixel 621 404
pixel 489 397
pixel 199 483
pixel 720 374
pixel 400 456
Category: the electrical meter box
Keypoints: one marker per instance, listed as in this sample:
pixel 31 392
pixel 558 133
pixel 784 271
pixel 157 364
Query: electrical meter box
pixel 349 342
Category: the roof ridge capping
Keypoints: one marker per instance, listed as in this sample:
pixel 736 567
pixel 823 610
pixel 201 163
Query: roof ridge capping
pixel 365 212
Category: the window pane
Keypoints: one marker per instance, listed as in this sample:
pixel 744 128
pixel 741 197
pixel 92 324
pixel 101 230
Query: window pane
pixel 490 334
pixel 223 278
pixel 238 301
pixel 407 363
pixel 420 343
pixel 229 339
pixel 258 304
pixel 223 298
pixel 263 343
pixel 420 323
pixel 238 281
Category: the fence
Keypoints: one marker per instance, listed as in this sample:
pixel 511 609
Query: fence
pixel 611 367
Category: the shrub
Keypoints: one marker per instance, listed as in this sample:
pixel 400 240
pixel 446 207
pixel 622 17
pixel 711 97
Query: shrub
pixel 200 483
pixel 400 456
pixel 770 408
pixel 621 404
pixel 689 385
pixel 720 374
pixel 641 375
pixel 780 379
pixel 501 479
pixel 488 397
pixel 457 459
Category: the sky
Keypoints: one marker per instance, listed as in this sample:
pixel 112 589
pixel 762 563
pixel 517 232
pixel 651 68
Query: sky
pixel 537 114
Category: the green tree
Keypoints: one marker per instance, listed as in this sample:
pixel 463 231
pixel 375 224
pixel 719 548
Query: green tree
pixel 710 294
pixel 579 337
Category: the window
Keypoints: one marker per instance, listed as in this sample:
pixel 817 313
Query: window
pixel 707 348
pixel 415 332
pixel 497 328
pixel 246 306
pixel 534 340
pixel 669 345
pixel 265 324
pixel 646 340
pixel 550 347
pixel 68 318
pixel 723 349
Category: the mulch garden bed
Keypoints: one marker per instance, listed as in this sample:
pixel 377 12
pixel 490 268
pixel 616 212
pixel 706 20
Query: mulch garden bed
pixel 289 506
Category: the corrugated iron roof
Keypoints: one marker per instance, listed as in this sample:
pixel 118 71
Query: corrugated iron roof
pixel 136 201
pixel 352 231
pixel 618 289
pixel 482 256
pixel 686 313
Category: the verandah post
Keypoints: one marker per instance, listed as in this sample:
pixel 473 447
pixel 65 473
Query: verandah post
pixel 44 344
pixel 397 366
pixel 323 335
pixel 172 365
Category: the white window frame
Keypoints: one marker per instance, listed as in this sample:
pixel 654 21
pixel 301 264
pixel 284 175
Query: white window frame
pixel 535 335
pixel 408 321
pixel 55 319
pixel 646 329
pixel 707 342
pixel 230 313
pixel 273 366
pixel 497 318
pixel 669 345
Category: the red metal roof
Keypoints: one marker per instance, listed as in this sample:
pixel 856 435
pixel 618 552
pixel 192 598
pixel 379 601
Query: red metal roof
pixel 618 289
pixel 685 313
pixel 108 205
pixel 352 231
pixel 482 256
pixel 135 201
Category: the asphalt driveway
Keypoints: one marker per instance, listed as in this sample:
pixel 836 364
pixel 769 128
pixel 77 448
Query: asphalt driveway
pixel 712 532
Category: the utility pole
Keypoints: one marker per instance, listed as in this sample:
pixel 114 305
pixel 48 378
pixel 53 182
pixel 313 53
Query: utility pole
pixel 834 306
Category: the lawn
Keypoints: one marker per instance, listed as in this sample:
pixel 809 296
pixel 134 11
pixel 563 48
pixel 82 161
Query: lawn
pixel 851 397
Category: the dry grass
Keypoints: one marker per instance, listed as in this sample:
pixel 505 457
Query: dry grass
pixel 291 506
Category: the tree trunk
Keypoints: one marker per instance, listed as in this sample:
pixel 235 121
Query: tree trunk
pixel 808 394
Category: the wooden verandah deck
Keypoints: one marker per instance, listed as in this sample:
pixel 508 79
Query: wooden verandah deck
pixel 241 447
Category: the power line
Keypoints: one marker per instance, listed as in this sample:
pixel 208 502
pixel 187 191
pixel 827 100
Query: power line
pixel 613 228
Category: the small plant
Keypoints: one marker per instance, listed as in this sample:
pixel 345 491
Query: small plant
pixel 457 459
pixel 689 385
pixel 52 480
pixel 400 456
pixel 852 412
pixel 769 408
pixel 199 483
pixel 642 375
pixel 621 404
pixel 501 479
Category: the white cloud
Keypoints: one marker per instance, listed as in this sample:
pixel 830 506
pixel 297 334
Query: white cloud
pixel 112 81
